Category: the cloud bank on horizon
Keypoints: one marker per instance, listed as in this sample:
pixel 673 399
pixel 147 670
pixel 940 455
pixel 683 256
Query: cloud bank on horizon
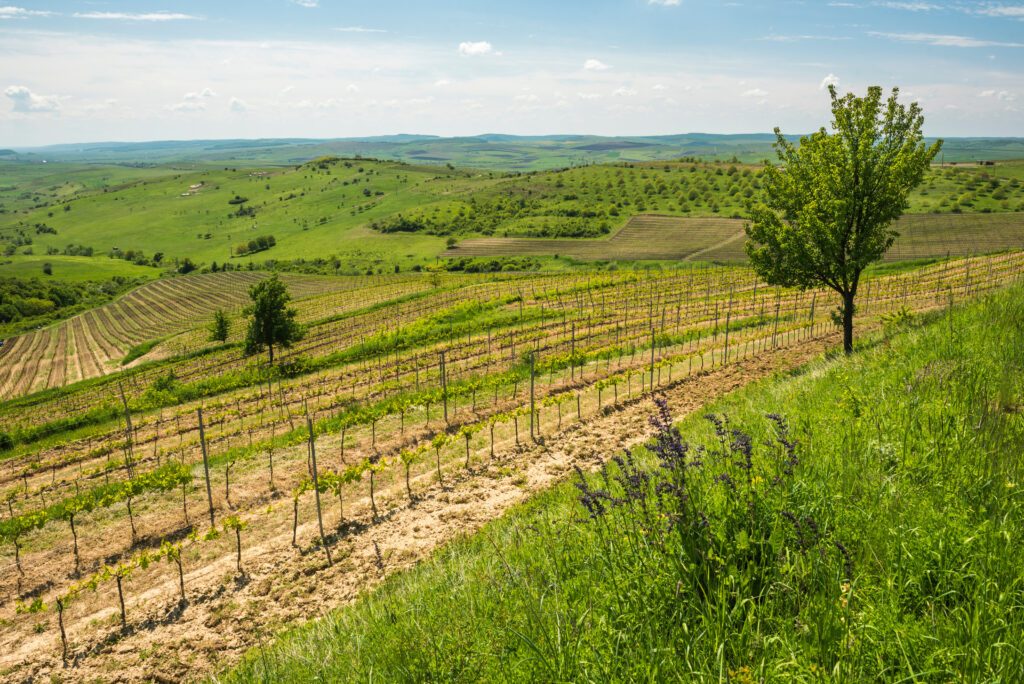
pixel 314 68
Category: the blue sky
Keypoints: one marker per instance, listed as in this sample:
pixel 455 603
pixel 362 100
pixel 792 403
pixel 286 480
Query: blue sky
pixel 106 70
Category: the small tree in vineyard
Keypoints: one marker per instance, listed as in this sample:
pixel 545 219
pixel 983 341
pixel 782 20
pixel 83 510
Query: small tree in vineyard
pixel 271 322
pixel 830 203
pixel 220 327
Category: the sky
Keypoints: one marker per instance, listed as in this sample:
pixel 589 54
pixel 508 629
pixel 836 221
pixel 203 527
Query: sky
pixel 177 69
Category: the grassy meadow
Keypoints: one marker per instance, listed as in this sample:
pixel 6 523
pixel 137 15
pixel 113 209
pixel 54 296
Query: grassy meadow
pixel 857 520
pixel 379 215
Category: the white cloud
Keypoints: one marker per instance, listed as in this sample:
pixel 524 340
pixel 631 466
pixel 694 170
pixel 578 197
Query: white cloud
pixel 25 101
pixel 830 80
pixel 665 3
pixel 237 105
pixel 188 106
pixel 910 6
pixel 526 97
pixel 623 92
pixel 9 12
pixel 658 87
pixel 307 3
pixel 588 96
pixel 595 65
pixel 1002 95
pixel 358 29
pixel 475 48
pixel 754 92
pixel 201 95
pixel 941 40
pixel 442 82
pixel 352 88
pixel 1012 11
pixel 132 16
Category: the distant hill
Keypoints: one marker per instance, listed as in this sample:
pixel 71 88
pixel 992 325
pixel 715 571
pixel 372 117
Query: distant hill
pixel 492 151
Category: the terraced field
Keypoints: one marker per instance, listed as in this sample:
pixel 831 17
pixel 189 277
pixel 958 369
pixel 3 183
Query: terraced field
pixel 94 343
pixel 656 237
pixel 421 411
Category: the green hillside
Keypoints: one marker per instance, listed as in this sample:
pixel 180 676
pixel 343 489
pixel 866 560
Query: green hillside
pixel 368 214
pixel 858 521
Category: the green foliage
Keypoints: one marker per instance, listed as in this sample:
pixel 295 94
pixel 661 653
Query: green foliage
pixel 140 350
pixel 829 206
pixel 220 327
pixel 259 244
pixel 162 479
pixel 27 303
pixel 872 538
pixel 271 321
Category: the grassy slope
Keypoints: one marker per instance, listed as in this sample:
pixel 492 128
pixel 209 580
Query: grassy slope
pixel 73 268
pixel 315 212
pixel 908 457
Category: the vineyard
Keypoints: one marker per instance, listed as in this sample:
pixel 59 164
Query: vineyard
pixel 209 494
pixel 96 342
pixel 721 240
pixel 364 214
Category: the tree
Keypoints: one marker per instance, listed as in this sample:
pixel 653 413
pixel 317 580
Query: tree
pixel 272 322
pixel 829 205
pixel 220 327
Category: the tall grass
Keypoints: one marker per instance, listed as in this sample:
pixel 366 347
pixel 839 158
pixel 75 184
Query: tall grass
pixel 861 520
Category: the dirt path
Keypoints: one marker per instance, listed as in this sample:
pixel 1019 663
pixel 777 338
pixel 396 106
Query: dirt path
pixel 226 616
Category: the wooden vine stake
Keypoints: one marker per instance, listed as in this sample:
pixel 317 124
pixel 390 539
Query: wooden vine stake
pixel 316 489
pixel 206 465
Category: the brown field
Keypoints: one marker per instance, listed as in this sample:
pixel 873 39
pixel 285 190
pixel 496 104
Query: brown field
pixel 654 237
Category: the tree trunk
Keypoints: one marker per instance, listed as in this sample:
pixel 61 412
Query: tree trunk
pixel 270 348
pixel 848 310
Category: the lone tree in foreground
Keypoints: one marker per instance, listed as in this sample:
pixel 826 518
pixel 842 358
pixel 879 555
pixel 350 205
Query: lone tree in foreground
pixel 220 327
pixel 828 207
pixel 272 322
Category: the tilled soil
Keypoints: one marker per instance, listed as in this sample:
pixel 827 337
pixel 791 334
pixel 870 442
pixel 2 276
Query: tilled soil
pixel 226 614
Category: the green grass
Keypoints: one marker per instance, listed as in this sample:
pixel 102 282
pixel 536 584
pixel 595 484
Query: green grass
pixel 908 458
pixel 72 268
pixel 324 210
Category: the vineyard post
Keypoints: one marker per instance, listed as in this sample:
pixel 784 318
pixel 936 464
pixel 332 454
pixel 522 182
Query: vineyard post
pixel 273 430
pixel 120 598
pixel 444 387
pixel 778 305
pixel 728 318
pixel 652 357
pixel 316 489
pixel 533 354
pixel 572 354
pixel 206 464
pixel 63 634
pixel 74 535
pixel 129 433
